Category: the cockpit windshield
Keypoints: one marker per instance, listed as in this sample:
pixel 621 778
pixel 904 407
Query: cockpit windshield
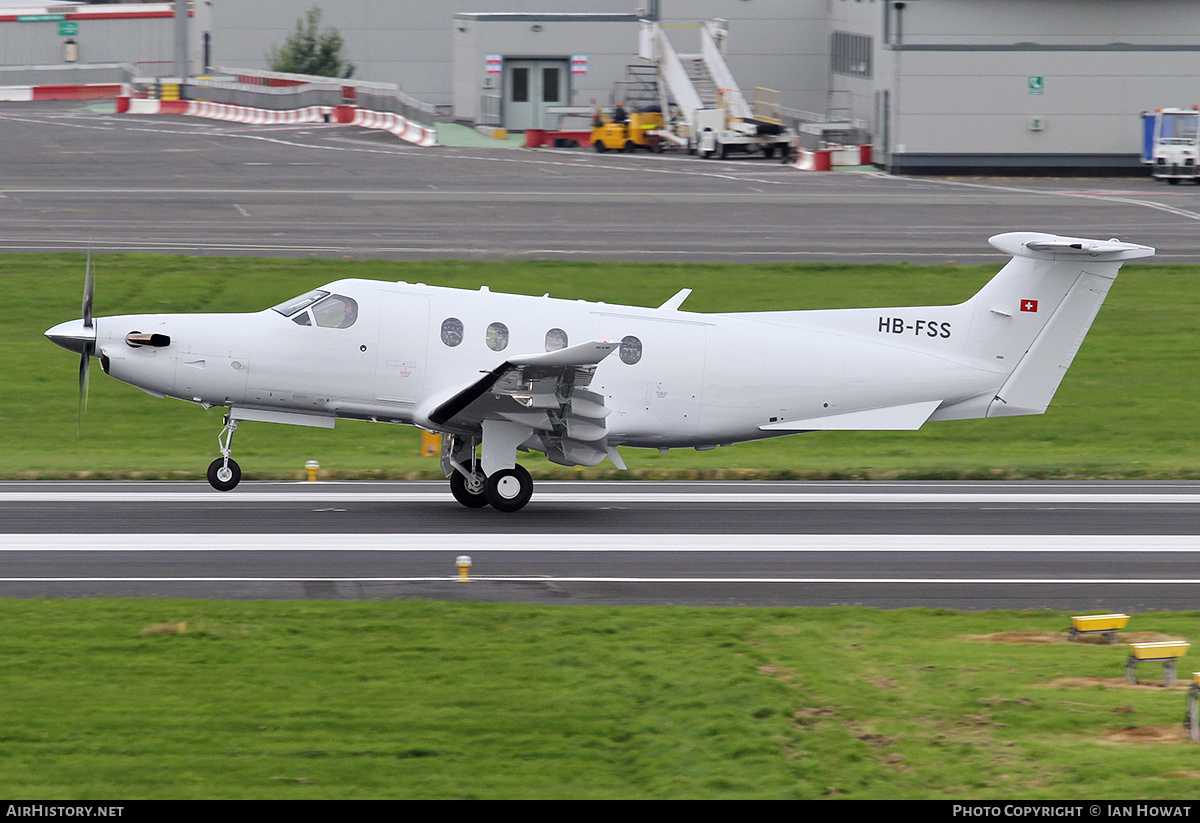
pixel 335 312
pixel 320 308
pixel 290 307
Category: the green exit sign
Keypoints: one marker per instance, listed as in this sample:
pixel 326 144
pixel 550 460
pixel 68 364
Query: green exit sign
pixel 67 29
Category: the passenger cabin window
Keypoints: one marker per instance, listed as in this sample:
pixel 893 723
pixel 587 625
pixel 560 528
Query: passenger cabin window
pixel 556 339
pixel 452 331
pixel 631 350
pixel 497 337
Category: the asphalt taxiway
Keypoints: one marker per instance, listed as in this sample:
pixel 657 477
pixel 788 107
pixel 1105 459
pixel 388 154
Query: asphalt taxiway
pixel 74 178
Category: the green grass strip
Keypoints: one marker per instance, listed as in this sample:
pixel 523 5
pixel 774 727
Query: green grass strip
pixel 116 699
pixel 1127 409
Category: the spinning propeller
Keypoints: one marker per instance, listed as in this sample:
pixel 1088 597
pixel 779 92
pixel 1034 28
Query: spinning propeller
pixel 89 346
pixel 80 336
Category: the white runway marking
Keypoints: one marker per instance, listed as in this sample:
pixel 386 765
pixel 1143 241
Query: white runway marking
pixel 331 494
pixel 596 543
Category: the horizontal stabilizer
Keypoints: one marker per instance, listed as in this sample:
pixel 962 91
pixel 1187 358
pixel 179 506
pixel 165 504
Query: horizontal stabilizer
pixel 907 417
pixel 1052 247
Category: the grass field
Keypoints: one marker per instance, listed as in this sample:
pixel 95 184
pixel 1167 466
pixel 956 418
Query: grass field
pixel 1127 409
pixel 109 699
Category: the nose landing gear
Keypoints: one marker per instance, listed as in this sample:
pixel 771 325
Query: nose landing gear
pixel 224 473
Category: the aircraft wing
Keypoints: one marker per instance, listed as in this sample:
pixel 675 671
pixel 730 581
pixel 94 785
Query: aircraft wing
pixel 543 400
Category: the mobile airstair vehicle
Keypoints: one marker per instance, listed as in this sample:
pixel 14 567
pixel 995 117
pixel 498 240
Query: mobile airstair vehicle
pixel 704 110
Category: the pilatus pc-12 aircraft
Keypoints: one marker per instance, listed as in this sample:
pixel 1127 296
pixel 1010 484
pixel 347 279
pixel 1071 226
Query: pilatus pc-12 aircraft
pixel 503 373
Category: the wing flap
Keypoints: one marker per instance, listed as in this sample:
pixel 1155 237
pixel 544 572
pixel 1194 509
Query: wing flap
pixel 544 394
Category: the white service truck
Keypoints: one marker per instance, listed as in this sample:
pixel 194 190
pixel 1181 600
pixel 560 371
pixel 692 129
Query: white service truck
pixel 1171 144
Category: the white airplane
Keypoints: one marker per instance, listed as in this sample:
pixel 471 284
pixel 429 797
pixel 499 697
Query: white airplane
pixel 502 373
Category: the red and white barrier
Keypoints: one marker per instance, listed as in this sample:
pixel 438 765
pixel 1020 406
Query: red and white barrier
pixel 80 91
pixel 826 159
pixel 402 127
pixel 813 161
pixel 394 124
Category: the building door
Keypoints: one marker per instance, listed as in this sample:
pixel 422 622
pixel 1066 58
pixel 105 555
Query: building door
pixel 530 87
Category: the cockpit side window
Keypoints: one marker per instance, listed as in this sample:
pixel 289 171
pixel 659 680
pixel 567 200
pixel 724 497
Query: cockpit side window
pixel 290 307
pixel 335 312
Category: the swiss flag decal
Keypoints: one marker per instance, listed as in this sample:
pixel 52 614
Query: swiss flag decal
pixel 1029 305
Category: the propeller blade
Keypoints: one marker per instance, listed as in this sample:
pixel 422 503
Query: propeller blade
pixel 89 289
pixel 84 368
pixel 89 348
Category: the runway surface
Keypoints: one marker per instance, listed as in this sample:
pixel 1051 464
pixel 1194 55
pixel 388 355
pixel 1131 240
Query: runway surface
pixel 1108 546
pixel 185 185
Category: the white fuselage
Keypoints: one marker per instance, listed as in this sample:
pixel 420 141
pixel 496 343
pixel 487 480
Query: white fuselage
pixel 689 379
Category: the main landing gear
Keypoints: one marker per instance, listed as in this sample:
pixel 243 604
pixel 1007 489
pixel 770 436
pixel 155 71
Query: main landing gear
pixel 506 490
pixel 224 473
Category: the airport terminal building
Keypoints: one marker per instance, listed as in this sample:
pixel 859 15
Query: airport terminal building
pixel 938 85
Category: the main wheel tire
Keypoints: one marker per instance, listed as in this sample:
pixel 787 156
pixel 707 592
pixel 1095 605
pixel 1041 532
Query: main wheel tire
pixel 470 491
pixel 599 146
pixel 508 490
pixel 224 477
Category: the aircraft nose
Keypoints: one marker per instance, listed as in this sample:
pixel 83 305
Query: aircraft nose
pixel 73 336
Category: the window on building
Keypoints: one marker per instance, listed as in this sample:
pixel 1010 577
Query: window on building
pixel 850 54
pixel 520 85
pixel 550 85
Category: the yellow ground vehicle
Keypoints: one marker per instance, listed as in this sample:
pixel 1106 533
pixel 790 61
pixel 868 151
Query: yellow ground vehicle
pixel 621 132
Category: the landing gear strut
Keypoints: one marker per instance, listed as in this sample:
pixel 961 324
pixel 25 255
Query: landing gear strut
pixel 224 473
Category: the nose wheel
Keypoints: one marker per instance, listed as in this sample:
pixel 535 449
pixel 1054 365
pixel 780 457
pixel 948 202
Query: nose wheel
pixel 224 473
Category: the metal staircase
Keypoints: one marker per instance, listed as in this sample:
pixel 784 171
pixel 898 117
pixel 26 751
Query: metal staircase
pixel 702 79
pixel 639 89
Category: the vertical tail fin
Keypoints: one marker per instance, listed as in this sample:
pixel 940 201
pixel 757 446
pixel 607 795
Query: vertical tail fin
pixel 1033 315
